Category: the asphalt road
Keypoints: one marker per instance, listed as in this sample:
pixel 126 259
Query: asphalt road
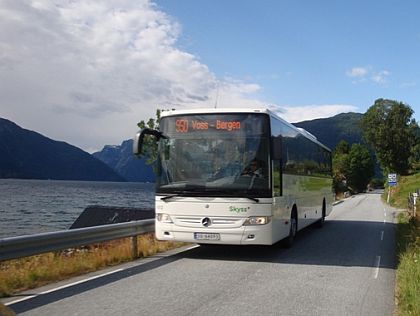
pixel 345 268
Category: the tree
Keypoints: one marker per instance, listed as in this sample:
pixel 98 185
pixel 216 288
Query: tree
pixel 342 147
pixel 340 166
pixel 415 150
pixel 353 167
pixel 360 168
pixel 388 127
pixel 150 146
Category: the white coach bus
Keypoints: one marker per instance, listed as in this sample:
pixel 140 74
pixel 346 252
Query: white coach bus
pixel 237 176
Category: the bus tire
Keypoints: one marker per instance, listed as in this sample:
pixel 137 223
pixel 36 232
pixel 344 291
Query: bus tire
pixel 288 242
pixel 321 221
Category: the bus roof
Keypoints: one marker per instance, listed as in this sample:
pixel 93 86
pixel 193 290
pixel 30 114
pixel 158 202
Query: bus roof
pixel 300 130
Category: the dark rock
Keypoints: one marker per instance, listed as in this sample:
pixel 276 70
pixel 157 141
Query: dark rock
pixel 104 215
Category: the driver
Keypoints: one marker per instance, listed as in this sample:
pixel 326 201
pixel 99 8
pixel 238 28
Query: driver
pixel 253 169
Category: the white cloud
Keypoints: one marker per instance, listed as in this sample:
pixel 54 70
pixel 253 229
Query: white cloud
pixel 380 77
pixel 364 74
pixel 87 71
pixel 357 72
pixel 310 112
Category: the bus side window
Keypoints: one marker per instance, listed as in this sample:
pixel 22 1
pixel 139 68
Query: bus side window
pixel 277 183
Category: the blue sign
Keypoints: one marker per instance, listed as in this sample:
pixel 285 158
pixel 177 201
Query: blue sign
pixel 392 179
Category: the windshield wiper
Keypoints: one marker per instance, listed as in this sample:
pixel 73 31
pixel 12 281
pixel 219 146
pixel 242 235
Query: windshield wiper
pixel 181 193
pixel 201 192
pixel 223 194
pixel 169 197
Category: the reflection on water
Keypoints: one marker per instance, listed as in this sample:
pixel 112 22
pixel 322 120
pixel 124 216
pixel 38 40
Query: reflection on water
pixel 35 206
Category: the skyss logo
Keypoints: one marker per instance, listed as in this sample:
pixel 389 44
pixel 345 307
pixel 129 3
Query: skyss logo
pixel 235 209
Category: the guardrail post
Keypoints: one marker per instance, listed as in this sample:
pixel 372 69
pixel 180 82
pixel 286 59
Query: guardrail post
pixel 134 247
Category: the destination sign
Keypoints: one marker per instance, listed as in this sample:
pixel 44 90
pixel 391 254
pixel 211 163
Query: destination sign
pixel 191 125
pixel 245 124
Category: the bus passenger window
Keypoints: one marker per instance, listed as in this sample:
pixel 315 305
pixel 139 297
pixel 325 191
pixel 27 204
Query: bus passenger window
pixel 277 185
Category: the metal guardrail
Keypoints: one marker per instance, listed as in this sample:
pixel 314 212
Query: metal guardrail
pixel 28 245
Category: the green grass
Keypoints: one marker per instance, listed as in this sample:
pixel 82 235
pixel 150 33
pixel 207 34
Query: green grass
pixel 399 194
pixel 408 248
pixel 408 271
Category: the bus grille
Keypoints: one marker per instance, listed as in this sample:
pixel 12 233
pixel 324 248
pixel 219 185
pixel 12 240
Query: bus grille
pixel 216 222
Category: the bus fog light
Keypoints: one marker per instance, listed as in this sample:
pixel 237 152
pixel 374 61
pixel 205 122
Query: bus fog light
pixel 257 220
pixel 163 218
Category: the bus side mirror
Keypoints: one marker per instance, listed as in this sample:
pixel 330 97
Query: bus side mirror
pixel 139 139
pixel 276 149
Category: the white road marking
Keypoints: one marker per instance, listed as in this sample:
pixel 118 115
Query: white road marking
pixel 75 283
pixel 382 235
pixel 377 263
pixel 63 287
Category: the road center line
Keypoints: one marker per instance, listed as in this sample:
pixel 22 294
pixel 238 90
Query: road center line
pixel 62 287
pixel 382 235
pixel 377 263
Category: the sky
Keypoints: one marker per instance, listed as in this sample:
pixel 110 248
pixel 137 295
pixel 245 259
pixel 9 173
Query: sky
pixel 86 71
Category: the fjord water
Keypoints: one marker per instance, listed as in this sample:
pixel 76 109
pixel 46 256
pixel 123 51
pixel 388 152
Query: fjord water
pixel 36 206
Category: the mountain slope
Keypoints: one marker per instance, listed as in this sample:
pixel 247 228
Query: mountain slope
pixel 29 155
pixel 331 130
pixel 121 159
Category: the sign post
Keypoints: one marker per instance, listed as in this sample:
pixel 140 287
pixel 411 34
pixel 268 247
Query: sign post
pixel 392 182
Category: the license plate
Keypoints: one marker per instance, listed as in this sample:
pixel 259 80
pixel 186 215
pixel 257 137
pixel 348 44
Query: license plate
pixel 206 236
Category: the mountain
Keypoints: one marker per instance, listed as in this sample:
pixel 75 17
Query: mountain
pixel 26 154
pixel 121 160
pixel 331 130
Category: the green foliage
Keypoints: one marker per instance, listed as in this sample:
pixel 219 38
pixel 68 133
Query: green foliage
pixel 340 162
pixel 150 146
pixel 415 156
pixel 342 147
pixel 353 167
pixel 361 168
pixel 389 129
pixel 377 183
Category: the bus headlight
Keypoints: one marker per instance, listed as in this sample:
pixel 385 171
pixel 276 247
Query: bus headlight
pixel 164 218
pixel 257 220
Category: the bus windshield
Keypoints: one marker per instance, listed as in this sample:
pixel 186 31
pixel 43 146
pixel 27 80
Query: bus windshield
pixel 214 155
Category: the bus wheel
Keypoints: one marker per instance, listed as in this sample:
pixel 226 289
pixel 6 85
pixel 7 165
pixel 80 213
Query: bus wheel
pixel 320 223
pixel 293 230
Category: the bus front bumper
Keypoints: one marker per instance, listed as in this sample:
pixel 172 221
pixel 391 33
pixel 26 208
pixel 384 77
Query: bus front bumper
pixel 244 235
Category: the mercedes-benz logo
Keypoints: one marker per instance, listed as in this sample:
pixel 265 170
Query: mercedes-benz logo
pixel 206 221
